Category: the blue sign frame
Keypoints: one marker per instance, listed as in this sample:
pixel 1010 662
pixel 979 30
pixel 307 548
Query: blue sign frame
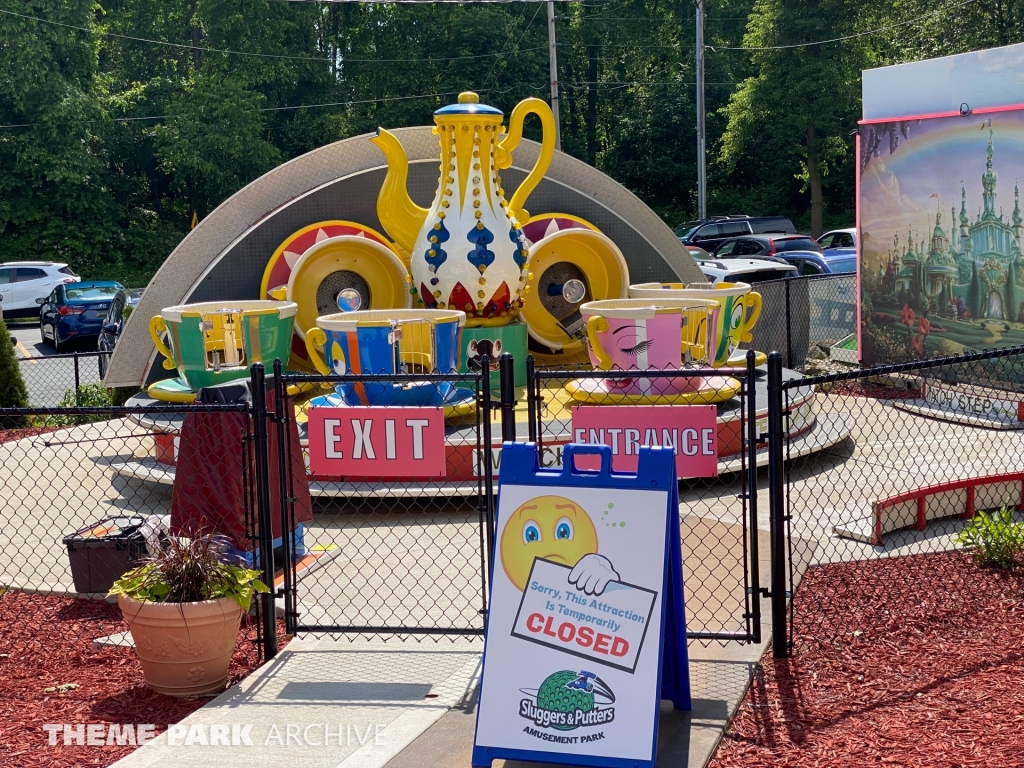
pixel 656 470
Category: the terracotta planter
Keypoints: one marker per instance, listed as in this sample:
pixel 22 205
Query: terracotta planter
pixel 185 648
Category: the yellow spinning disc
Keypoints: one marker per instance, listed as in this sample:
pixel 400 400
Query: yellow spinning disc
pixel 573 253
pixel 375 271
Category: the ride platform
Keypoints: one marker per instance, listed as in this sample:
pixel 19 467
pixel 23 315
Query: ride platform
pixel 808 432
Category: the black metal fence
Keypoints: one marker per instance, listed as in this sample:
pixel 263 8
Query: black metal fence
pixel 801 313
pixel 873 520
pixel 396 547
pixel 64 381
pixel 86 493
pixel 821 484
pixel 721 549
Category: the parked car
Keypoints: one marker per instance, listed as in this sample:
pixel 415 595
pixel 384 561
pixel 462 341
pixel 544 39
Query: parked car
pixel 710 233
pixel 765 246
pixel 827 263
pixel 23 283
pixel 120 308
pixel 75 311
pixel 840 243
pixel 744 270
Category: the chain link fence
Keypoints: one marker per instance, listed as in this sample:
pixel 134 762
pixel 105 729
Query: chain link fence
pixel 802 314
pixel 722 552
pixel 893 498
pixel 86 493
pixel 377 493
pixel 64 381
pixel 404 502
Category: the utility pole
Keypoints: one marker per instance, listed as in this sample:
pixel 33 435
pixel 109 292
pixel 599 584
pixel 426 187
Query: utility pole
pixel 553 65
pixel 702 178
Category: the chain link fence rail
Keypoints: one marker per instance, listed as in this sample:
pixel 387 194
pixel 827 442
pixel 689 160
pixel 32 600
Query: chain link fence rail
pixel 79 505
pixel 896 494
pixel 723 554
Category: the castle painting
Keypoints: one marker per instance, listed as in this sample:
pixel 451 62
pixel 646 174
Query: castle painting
pixel 941 236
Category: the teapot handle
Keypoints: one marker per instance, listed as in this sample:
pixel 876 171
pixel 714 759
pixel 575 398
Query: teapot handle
pixel 503 157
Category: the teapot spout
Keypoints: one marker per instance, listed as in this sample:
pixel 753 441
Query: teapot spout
pixel 399 215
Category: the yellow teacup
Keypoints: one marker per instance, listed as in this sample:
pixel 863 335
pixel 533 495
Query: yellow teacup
pixel 740 309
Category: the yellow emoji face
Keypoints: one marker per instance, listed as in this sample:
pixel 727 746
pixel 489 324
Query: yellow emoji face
pixel 550 527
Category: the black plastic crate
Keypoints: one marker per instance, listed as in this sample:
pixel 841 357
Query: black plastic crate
pixel 102 551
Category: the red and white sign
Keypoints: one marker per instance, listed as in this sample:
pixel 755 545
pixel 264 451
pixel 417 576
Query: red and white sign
pixel 691 429
pixel 392 441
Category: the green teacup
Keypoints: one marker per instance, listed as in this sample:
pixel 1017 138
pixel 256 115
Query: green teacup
pixel 217 341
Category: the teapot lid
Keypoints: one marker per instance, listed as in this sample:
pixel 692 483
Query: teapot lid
pixel 468 104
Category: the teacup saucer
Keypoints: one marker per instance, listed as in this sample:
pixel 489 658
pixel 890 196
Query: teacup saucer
pixel 699 391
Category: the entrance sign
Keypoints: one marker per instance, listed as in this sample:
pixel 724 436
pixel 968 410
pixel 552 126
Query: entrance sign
pixel 691 430
pixel 391 441
pixel 585 632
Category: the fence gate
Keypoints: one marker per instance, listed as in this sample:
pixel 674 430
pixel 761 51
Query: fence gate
pixel 385 555
pixel 722 554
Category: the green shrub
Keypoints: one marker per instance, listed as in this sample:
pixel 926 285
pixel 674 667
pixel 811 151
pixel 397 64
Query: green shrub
pixel 994 539
pixel 89 396
pixel 13 392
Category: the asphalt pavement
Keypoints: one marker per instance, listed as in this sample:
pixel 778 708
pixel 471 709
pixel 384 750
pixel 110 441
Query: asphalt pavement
pixel 49 378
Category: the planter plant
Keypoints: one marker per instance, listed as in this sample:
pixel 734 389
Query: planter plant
pixel 183 607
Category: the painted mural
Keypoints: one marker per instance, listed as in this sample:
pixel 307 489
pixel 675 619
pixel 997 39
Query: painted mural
pixel 941 236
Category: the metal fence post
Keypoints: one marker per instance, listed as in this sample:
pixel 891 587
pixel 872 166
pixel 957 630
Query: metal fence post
pixel 263 511
pixel 531 399
pixel 752 436
pixel 486 454
pixel 284 470
pixel 789 329
pixel 78 384
pixel 776 507
pixel 506 372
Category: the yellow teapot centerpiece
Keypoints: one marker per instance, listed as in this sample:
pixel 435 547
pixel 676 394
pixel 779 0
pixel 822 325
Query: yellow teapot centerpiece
pixel 467 251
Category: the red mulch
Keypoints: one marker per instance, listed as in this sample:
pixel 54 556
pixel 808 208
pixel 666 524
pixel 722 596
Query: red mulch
pixel 923 665
pixel 47 641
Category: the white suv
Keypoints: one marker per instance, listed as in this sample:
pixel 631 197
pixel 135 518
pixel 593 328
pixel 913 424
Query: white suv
pixel 744 270
pixel 23 282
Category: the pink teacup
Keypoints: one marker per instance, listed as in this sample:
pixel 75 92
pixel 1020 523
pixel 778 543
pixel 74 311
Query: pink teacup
pixel 641 335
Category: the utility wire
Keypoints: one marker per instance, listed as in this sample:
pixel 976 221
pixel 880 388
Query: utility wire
pixel 262 109
pixel 386 99
pixel 203 49
pixel 839 39
pixel 516 47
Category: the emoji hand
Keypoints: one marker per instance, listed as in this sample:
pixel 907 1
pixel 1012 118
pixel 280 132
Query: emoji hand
pixel 592 574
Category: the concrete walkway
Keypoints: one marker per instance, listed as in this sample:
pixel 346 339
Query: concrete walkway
pixel 404 704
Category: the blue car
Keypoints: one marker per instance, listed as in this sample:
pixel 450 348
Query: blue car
pixel 75 311
pixel 840 249
pixel 822 263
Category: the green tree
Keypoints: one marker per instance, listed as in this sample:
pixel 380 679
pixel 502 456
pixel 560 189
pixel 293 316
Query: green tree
pixel 13 392
pixel 215 143
pixel 789 122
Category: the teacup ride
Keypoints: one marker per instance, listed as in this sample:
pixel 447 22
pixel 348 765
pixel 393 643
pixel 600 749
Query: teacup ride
pixel 333 266
pixel 651 335
pixel 386 342
pixel 740 310
pixel 567 269
pixel 215 343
